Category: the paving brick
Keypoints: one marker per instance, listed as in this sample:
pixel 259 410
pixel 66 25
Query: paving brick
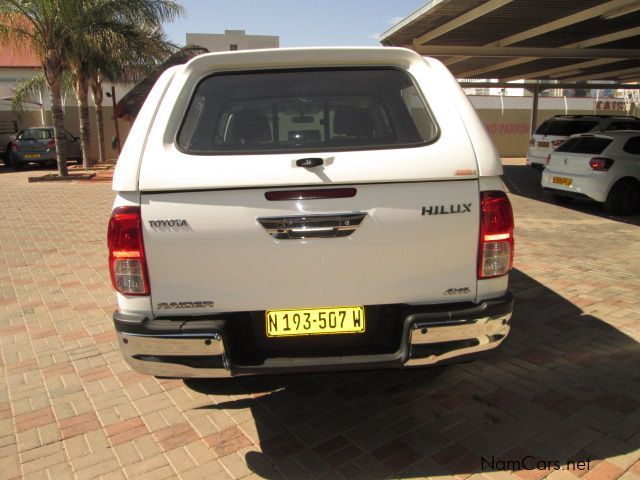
pixel 126 431
pixel 78 425
pixel 227 441
pixel 176 436
pixel 34 419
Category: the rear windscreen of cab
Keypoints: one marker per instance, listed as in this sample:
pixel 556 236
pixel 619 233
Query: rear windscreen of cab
pixel 590 145
pixel 305 110
pixel 565 128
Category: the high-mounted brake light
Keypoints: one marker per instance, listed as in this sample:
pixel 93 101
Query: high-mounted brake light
pixel 127 263
pixel 495 256
pixel 600 164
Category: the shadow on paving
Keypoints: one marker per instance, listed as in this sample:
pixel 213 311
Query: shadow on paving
pixel 564 386
pixel 524 181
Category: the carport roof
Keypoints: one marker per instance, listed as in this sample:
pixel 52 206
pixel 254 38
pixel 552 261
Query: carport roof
pixel 567 40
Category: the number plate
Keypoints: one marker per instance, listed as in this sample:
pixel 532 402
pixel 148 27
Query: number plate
pixel 543 144
pixel 562 181
pixel 32 155
pixel 314 321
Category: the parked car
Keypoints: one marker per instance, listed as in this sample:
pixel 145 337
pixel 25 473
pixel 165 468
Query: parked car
pixel 309 209
pixel 38 145
pixel 8 130
pixel 555 130
pixel 604 167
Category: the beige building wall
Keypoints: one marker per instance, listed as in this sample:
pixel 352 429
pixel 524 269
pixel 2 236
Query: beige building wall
pixel 221 42
pixel 508 119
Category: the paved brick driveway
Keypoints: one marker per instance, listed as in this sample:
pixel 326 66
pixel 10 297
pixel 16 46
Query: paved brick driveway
pixel 566 385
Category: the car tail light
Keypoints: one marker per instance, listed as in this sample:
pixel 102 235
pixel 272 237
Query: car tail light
pixel 556 143
pixel 532 141
pixel 127 262
pixel 15 147
pixel 600 164
pixel 51 143
pixel 495 256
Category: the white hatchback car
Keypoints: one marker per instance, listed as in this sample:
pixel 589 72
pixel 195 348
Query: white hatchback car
pixel 554 131
pixel 604 167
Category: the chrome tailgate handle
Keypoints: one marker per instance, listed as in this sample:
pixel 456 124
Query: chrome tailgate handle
pixel 312 226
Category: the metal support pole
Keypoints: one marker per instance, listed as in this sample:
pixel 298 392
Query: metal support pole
pixel 115 119
pixel 534 109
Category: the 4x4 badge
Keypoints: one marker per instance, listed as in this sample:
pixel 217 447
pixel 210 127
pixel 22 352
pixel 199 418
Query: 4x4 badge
pixel 446 209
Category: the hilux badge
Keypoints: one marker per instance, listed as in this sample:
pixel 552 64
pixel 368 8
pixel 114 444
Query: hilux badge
pixel 446 209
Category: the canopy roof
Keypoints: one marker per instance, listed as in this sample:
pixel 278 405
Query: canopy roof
pixel 566 40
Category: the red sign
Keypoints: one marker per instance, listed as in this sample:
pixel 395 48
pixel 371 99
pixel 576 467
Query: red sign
pixel 507 128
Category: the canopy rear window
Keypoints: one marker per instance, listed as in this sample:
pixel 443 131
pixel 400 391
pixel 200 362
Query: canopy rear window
pixel 565 127
pixel 305 110
pixel 590 145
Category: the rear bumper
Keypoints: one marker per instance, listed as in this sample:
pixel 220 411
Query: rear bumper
pixel 539 160
pixel 198 348
pixel 591 186
pixel 42 157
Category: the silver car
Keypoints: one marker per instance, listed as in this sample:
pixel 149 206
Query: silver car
pixel 38 145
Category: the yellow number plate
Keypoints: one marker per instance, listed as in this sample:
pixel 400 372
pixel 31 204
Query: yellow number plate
pixel 314 321
pixel 32 155
pixel 562 181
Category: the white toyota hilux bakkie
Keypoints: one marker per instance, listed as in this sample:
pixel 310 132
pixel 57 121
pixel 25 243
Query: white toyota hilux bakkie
pixel 310 209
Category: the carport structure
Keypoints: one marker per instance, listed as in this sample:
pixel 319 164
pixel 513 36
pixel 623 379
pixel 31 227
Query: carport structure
pixel 565 41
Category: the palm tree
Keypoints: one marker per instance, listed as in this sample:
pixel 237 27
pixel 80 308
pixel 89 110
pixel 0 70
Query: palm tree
pixel 45 25
pixel 31 90
pixel 116 36
pixel 144 50
pixel 63 32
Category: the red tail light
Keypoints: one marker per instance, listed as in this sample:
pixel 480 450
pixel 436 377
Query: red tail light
pixel 600 164
pixel 556 143
pixel 51 143
pixel 15 147
pixel 127 262
pixel 495 256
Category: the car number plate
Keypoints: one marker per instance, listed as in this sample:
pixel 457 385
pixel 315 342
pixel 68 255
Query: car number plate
pixel 315 321
pixel 543 144
pixel 562 181
pixel 32 155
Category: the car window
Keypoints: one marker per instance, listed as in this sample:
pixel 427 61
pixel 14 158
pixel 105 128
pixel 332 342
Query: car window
pixel 632 146
pixel 36 134
pixel 294 110
pixel 565 127
pixel 624 125
pixel 592 145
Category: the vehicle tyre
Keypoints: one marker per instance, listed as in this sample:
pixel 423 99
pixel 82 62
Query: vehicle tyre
pixel 624 197
pixel 7 157
pixel 562 199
